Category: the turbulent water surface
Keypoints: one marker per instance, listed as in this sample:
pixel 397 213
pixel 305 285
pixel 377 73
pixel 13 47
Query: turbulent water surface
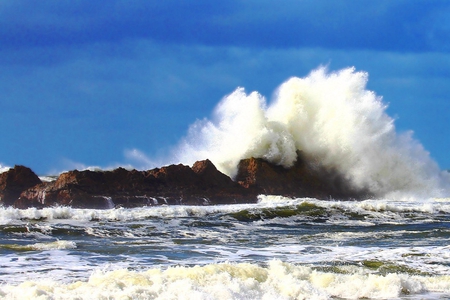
pixel 279 248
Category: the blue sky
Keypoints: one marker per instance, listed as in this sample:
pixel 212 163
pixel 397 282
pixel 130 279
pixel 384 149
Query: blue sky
pixel 99 82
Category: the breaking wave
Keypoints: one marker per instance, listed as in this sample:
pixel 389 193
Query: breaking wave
pixel 333 120
pixel 233 281
pixel 57 245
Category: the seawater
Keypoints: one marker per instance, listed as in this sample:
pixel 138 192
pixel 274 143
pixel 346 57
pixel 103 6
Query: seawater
pixel 279 248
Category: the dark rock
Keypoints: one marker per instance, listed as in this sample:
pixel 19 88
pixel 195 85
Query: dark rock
pixel 178 184
pixel 210 176
pixel 14 181
pixel 173 185
pixel 81 189
pixel 301 180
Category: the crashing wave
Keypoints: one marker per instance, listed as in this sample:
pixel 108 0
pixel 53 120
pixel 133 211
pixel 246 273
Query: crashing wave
pixel 333 120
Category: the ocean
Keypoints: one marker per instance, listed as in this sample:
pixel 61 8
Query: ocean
pixel 279 248
pixel 394 245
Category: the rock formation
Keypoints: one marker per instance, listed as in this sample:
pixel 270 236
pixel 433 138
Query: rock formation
pixel 301 180
pixel 175 184
pixel 202 184
pixel 14 181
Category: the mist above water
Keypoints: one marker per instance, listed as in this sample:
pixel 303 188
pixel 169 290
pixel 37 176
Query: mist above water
pixel 333 119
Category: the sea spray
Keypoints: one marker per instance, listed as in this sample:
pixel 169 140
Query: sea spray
pixel 3 168
pixel 333 120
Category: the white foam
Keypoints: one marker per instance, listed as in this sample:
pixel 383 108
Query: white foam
pixel 430 205
pixel 379 209
pixel 333 120
pixel 56 245
pixel 231 281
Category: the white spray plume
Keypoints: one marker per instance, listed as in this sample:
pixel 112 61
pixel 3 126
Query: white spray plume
pixel 332 119
pixel 4 168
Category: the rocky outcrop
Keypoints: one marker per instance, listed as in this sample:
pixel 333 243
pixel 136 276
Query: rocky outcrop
pixel 14 181
pixel 175 184
pixel 301 180
pixel 202 184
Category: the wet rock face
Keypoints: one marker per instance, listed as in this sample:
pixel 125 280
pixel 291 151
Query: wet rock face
pixel 202 184
pixel 301 180
pixel 14 181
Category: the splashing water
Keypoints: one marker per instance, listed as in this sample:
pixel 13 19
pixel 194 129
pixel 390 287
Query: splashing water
pixel 3 168
pixel 333 120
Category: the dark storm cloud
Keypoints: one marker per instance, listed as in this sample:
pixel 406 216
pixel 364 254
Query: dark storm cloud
pixel 380 25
